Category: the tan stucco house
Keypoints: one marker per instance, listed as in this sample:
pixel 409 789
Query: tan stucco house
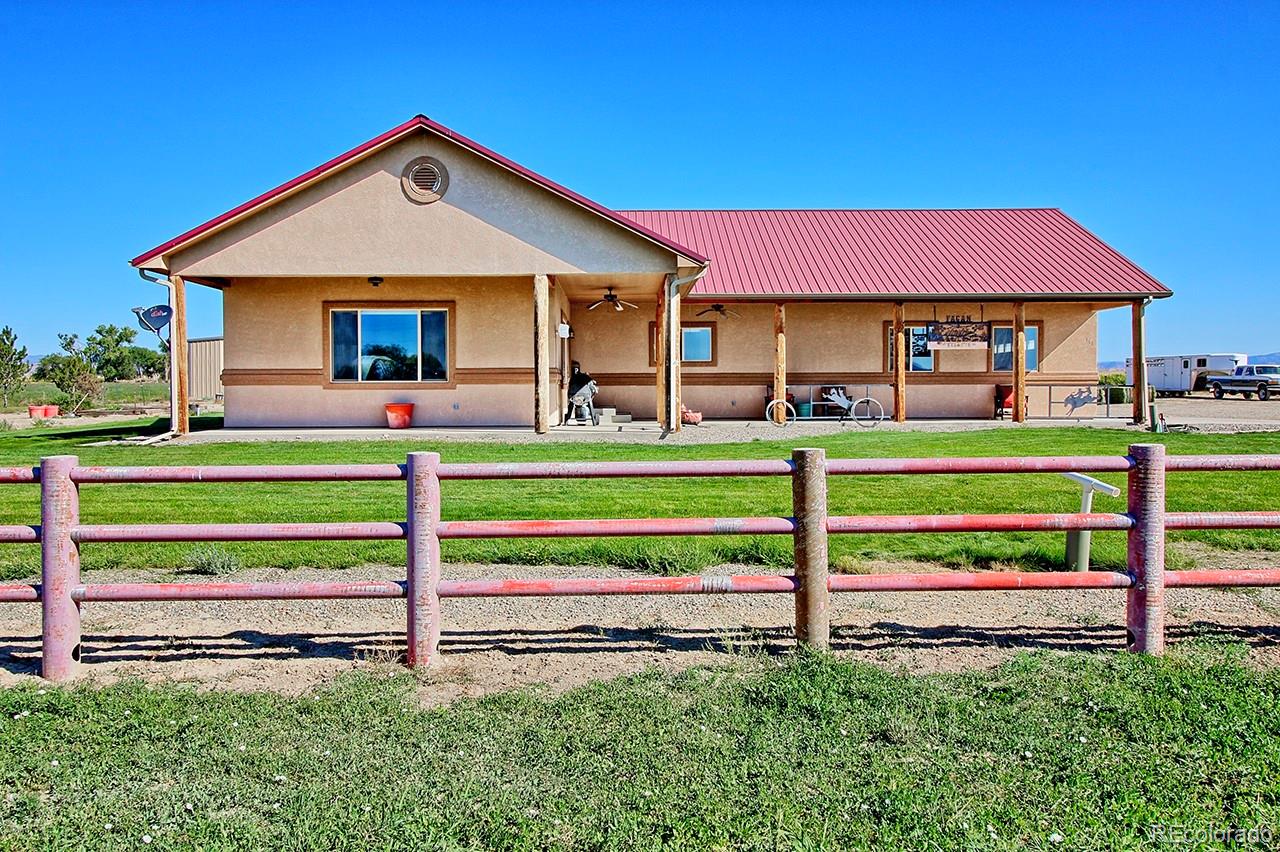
pixel 423 267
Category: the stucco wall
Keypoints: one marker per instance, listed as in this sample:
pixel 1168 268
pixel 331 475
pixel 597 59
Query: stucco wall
pixel 275 359
pixel 276 362
pixel 358 222
pixel 834 343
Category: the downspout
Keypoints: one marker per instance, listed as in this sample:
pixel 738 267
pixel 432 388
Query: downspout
pixel 173 364
pixel 674 287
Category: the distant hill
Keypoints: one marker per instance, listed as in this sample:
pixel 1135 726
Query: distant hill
pixel 1268 358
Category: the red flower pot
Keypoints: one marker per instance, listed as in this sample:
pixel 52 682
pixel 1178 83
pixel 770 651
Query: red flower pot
pixel 35 412
pixel 50 411
pixel 399 414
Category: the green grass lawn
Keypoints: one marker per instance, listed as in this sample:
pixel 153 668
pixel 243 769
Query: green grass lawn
pixel 113 394
pixel 630 498
pixel 1047 752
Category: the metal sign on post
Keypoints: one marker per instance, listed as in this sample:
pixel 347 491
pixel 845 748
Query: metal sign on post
pixel 1080 541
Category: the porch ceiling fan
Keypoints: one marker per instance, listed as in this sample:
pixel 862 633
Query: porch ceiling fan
pixel 719 309
pixel 611 298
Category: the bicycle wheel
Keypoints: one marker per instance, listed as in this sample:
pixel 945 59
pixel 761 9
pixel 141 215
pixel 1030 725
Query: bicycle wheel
pixel 862 411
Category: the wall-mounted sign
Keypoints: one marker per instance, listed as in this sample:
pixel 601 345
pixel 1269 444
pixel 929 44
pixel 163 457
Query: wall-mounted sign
pixel 958 332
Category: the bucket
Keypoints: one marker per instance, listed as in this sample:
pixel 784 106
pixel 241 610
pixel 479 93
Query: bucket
pixel 804 409
pixel 399 414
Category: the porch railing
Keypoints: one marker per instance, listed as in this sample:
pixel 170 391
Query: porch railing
pixel 61 534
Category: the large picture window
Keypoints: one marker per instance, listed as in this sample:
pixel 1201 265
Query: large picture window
pixel 1002 348
pixel 920 358
pixel 389 345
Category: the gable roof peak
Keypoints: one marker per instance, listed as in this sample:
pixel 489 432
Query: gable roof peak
pixel 418 122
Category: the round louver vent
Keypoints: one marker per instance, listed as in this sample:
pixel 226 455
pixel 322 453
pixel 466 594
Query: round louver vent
pixel 424 180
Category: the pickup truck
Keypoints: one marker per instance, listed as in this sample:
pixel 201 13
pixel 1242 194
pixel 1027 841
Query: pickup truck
pixel 1262 379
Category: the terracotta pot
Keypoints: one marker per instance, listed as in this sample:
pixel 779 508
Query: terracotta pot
pixel 399 414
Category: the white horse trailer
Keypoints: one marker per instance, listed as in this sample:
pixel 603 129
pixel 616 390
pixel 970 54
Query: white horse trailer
pixel 1179 375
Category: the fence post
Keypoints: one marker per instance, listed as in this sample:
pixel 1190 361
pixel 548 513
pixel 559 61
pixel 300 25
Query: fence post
pixel 423 558
pixel 1144 611
pixel 59 568
pixel 809 505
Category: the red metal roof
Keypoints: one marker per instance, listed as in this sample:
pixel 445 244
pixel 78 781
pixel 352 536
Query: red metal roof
pixel 907 253
pixel 417 123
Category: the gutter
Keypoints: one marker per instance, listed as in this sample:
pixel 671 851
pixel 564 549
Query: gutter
pixel 676 287
pixel 682 286
pixel 173 364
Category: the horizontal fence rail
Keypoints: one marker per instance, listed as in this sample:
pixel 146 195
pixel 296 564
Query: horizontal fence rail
pixel 60 535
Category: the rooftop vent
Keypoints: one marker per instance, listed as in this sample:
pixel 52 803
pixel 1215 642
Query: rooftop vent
pixel 424 180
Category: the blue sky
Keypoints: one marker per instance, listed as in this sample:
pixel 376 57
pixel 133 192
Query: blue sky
pixel 1157 125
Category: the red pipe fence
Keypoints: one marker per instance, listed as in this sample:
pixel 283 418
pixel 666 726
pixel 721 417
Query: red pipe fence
pixel 60 535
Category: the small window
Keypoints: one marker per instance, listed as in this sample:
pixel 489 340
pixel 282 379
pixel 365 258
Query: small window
pixel 1186 365
pixel 1002 348
pixel 920 357
pixel 1202 362
pixel 697 343
pixel 389 345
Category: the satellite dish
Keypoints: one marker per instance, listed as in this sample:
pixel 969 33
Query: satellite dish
pixel 154 318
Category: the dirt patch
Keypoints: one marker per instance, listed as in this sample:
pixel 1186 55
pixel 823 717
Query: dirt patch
pixel 1231 414
pixel 495 644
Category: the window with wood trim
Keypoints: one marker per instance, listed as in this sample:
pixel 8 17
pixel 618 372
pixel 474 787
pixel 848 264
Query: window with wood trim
pixel 697 344
pixel 920 358
pixel 389 344
pixel 1002 348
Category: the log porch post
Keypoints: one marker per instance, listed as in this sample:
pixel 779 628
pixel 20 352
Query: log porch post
pixel 675 355
pixel 1140 384
pixel 179 420
pixel 541 373
pixel 1019 362
pixel 660 357
pixel 899 363
pixel 667 356
pixel 779 361
pixel 566 365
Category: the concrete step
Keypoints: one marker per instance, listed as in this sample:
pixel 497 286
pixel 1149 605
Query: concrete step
pixel 608 416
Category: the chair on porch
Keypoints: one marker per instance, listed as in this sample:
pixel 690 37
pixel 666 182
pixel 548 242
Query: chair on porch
pixel 1004 401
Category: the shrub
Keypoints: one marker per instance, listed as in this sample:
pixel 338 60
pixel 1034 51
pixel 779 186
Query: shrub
pixel 212 560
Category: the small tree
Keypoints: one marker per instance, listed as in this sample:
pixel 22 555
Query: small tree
pixel 71 372
pixel 13 366
pixel 145 363
pixel 109 351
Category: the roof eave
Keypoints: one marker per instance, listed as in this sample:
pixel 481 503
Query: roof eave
pixel 928 297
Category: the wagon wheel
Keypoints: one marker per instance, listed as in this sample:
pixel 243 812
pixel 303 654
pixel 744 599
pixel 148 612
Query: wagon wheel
pixel 788 415
pixel 867 418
